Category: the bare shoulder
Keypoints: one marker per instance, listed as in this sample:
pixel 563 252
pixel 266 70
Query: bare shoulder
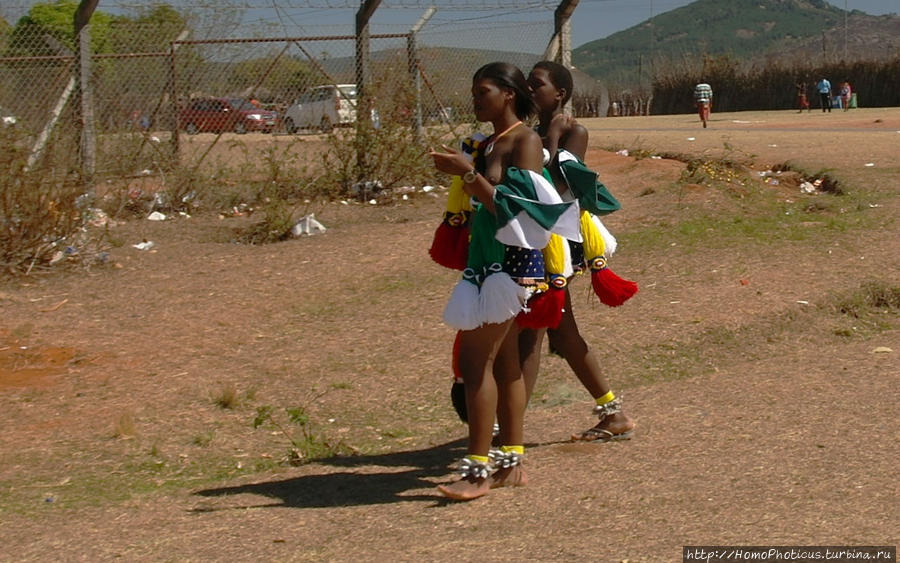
pixel 578 130
pixel 575 140
pixel 528 138
pixel 528 149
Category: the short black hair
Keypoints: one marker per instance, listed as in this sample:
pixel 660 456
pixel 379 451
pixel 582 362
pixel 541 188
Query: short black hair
pixel 560 76
pixel 509 76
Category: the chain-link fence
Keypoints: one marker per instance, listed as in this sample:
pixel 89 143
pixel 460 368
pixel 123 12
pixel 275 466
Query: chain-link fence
pixel 163 86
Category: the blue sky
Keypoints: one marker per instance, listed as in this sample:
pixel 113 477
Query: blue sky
pixel 593 19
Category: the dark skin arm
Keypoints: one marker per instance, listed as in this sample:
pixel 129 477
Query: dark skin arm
pixel 564 133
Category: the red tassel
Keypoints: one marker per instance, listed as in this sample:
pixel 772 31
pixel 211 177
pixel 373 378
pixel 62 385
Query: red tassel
pixel 610 288
pixel 450 247
pixel 545 310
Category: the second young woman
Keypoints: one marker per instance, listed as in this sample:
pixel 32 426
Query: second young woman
pixel 552 85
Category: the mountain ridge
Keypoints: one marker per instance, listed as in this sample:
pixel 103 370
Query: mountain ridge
pixel 750 31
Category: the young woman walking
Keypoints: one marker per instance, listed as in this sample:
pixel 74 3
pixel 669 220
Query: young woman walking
pixel 516 211
pixel 564 138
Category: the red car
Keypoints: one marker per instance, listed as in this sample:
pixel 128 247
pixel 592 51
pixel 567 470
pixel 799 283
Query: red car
pixel 217 115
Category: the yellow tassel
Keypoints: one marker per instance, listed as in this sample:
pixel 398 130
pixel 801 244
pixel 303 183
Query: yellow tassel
pixel 593 240
pixel 457 199
pixel 555 255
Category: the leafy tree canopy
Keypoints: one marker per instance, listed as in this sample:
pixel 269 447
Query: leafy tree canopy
pixel 150 31
pixel 48 29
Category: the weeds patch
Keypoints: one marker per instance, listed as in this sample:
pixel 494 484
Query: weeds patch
pixel 45 215
pixel 872 308
pixel 759 220
pixel 295 424
pixel 228 397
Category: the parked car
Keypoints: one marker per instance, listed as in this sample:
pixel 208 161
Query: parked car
pixel 217 115
pixel 322 107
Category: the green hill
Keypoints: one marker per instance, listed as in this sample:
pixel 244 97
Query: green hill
pixel 744 29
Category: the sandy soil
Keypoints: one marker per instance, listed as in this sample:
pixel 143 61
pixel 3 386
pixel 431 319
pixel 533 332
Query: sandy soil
pixel 764 416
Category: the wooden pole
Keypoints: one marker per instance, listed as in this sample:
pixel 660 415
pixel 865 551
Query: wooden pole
pixel 363 76
pixel 85 92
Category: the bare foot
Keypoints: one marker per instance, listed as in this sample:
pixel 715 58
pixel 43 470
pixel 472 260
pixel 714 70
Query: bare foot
pixel 466 489
pixel 509 477
pixel 611 428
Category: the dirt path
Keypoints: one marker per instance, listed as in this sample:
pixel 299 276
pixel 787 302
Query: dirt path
pixel 787 439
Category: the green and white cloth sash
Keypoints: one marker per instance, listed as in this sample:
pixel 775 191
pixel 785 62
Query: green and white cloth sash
pixel 528 209
pixel 582 181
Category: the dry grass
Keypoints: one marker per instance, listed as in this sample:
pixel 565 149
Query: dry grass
pixel 728 359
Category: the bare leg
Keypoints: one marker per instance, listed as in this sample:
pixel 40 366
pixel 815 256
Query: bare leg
pixel 510 390
pixel 530 342
pixel 478 350
pixel 511 405
pixel 571 345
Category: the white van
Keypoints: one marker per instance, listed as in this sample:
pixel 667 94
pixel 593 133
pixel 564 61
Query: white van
pixel 322 107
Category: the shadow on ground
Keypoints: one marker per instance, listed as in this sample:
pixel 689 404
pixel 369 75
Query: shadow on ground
pixel 352 488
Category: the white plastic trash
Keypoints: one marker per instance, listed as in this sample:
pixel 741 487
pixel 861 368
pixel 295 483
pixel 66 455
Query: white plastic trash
pixel 156 216
pixel 307 225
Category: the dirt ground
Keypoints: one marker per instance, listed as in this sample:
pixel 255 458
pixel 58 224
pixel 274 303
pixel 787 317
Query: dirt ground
pixel 764 415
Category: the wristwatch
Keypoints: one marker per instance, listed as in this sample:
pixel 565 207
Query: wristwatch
pixel 470 176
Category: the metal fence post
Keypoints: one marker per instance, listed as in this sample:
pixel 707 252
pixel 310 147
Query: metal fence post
pixel 560 47
pixel 86 91
pixel 176 103
pixel 412 55
pixel 362 75
pixel 81 24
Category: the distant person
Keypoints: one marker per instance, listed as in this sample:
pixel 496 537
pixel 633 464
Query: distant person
pixel 823 87
pixel 703 100
pixel 802 100
pixel 845 93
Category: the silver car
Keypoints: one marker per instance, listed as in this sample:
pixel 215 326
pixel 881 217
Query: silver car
pixel 322 107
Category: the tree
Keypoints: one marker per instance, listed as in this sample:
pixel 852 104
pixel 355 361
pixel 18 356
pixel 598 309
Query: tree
pixel 47 29
pixel 150 31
